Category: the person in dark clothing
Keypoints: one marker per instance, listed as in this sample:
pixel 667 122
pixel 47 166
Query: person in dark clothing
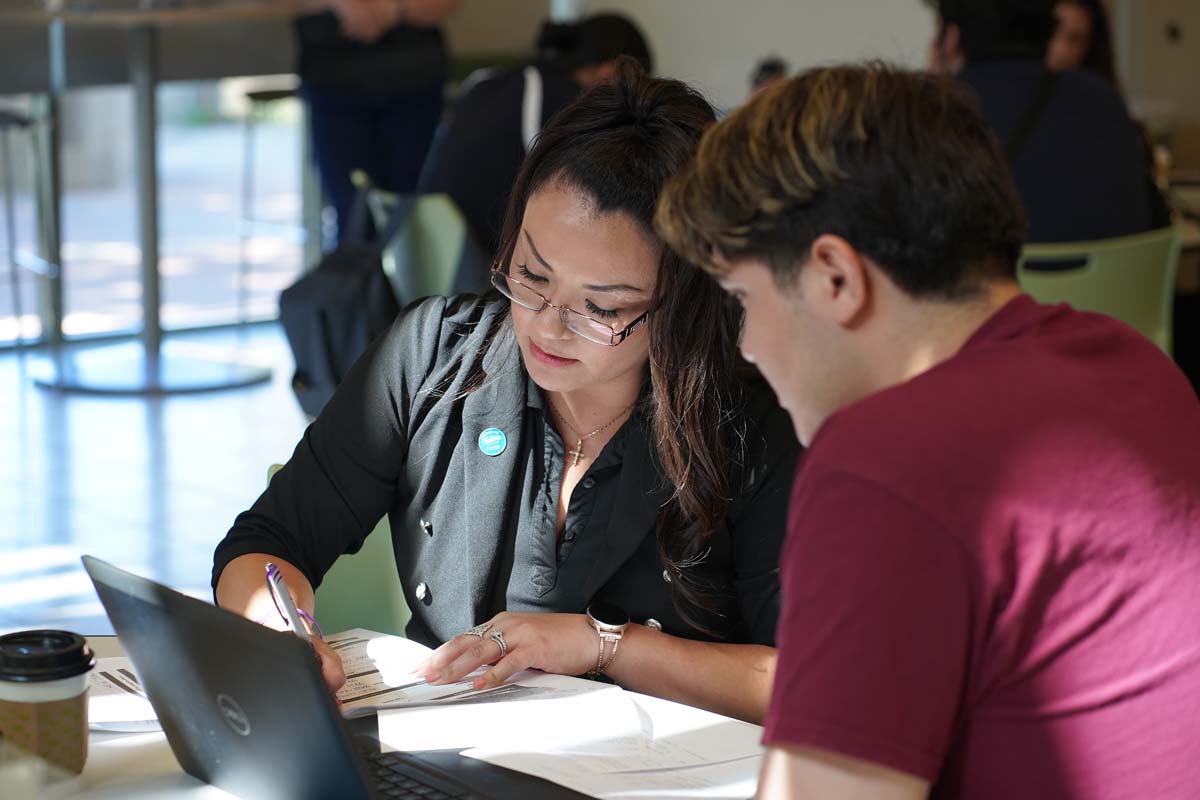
pixel 479 148
pixel 372 74
pixel 1076 155
pixel 1083 40
pixel 581 436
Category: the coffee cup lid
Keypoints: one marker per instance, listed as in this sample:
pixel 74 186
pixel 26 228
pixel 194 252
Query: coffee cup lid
pixel 37 656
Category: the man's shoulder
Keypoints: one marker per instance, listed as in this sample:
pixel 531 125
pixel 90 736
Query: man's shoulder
pixel 1029 364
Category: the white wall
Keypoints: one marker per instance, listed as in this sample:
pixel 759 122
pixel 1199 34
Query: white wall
pixel 496 26
pixel 1159 72
pixel 715 44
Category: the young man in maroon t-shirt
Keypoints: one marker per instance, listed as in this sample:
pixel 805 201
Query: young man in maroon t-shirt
pixel 992 573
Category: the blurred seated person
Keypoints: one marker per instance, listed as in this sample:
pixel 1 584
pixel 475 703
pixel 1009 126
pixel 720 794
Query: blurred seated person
pixel 372 74
pixel 1075 154
pixel 1083 40
pixel 480 147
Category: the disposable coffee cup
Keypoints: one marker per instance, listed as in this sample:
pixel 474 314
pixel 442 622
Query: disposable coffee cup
pixel 43 696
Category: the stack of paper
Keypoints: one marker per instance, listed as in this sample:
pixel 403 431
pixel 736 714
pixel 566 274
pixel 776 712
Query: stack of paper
pixel 379 675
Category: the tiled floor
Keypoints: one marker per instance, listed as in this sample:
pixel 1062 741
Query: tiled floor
pixel 149 484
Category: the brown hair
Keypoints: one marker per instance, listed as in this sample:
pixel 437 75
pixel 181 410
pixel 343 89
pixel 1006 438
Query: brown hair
pixel 619 144
pixel 900 164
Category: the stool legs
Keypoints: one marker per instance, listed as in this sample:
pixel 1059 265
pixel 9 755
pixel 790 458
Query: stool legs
pixel 247 220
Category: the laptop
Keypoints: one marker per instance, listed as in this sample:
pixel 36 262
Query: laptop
pixel 245 708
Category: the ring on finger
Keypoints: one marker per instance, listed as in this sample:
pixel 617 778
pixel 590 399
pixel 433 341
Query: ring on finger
pixel 498 637
pixel 478 630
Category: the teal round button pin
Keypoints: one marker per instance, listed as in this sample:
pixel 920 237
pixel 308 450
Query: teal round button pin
pixel 492 442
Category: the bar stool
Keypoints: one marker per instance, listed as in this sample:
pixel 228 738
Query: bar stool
pixel 260 101
pixel 10 123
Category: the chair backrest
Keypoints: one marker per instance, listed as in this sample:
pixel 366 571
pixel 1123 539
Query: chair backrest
pixel 1131 278
pixel 423 258
pixel 363 590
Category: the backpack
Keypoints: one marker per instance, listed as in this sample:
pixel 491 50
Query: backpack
pixel 332 314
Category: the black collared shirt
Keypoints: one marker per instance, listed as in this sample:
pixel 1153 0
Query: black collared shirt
pixel 542 561
pixel 402 436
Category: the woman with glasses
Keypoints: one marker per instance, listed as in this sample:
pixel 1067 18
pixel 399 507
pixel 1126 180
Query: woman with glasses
pixel 578 476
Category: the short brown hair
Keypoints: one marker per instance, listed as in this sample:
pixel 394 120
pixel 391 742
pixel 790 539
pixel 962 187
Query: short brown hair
pixel 898 163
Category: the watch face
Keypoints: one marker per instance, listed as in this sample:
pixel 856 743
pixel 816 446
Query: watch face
pixel 607 614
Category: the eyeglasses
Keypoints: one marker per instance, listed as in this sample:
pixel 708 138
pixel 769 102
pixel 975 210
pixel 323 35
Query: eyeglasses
pixel 579 324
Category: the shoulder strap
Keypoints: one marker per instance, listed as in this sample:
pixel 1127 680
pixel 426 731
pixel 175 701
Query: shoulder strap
pixel 403 208
pixel 531 107
pixel 1032 116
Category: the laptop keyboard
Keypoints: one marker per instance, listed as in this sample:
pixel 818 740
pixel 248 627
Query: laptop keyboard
pixel 395 778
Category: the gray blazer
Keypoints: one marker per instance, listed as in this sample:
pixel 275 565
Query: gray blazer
pixel 401 436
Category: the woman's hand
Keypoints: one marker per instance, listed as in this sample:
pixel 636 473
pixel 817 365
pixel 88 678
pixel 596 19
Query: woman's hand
pixel 565 644
pixel 331 665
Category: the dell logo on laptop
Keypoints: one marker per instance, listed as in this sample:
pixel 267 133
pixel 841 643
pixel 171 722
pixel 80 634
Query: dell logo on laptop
pixel 235 718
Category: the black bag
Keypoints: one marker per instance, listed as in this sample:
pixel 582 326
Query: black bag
pixel 332 313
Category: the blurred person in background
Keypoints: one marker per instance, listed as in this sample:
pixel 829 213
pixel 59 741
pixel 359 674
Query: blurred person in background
pixel 1076 155
pixel 767 72
pixel 491 127
pixel 1083 40
pixel 372 74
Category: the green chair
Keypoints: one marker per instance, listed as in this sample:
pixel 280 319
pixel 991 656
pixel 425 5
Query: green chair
pixel 1131 278
pixel 425 255
pixel 362 590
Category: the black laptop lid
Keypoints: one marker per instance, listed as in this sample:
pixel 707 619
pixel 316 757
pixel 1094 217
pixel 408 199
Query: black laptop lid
pixel 243 707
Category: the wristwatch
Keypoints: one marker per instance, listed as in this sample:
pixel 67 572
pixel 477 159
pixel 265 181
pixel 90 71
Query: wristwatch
pixel 610 623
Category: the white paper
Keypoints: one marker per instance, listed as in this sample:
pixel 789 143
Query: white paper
pixel 116 700
pixel 674 751
pixel 379 675
pixel 536 710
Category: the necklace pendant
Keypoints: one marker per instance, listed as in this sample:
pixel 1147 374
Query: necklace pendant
pixel 577 452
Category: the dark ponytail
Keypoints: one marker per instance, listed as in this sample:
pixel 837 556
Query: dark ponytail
pixel 620 143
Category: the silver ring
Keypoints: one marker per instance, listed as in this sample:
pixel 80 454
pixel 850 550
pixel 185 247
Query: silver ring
pixel 498 638
pixel 478 630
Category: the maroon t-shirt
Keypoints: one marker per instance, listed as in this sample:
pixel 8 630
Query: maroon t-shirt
pixel 992 572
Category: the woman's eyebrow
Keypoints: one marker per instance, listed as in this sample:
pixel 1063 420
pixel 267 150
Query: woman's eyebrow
pixel 608 287
pixel 536 254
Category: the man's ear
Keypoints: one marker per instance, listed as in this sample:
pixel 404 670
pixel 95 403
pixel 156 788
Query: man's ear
pixel 836 280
